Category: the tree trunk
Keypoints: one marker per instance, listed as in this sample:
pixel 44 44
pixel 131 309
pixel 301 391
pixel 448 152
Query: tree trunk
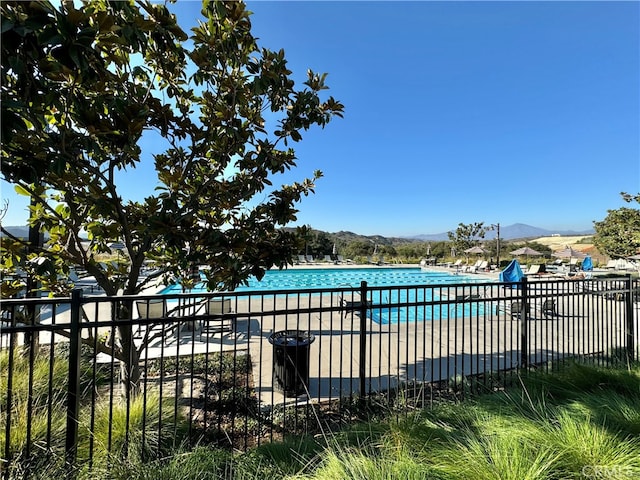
pixel 32 312
pixel 130 364
pixel 130 361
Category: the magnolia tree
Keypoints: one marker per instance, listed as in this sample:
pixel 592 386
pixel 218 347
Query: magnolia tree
pixel 80 88
pixel 618 235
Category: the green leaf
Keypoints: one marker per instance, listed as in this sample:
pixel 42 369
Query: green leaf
pixel 20 190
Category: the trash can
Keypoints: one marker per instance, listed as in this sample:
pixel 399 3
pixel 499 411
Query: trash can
pixel 291 361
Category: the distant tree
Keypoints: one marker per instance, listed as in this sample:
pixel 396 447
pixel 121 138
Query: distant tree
pixel 388 250
pixel 80 86
pixel 467 236
pixel 618 235
pixel 319 244
pixel 415 251
pixel 358 248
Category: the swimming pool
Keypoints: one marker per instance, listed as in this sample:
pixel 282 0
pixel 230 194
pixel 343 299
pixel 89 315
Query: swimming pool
pixel 297 279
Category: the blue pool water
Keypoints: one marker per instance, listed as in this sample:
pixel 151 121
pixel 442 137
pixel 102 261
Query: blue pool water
pixel 393 313
pixel 296 279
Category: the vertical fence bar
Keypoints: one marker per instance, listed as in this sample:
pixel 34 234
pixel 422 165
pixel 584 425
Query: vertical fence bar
pixel 524 325
pixel 6 460
pixel 630 334
pixel 73 385
pixel 363 338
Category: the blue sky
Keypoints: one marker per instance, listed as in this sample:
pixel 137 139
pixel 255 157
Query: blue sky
pixel 509 112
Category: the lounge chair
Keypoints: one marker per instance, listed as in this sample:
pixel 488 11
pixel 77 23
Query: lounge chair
pixel 87 282
pixel 473 268
pixel 517 309
pixel 302 259
pixel 328 259
pixel 457 263
pixel 533 270
pixel 549 308
pixel 573 265
pixel 151 308
pixel 218 318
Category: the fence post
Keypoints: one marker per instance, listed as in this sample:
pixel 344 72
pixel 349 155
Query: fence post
pixel 363 337
pixel 73 384
pixel 524 325
pixel 629 329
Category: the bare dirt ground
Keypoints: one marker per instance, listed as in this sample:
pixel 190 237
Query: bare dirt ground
pixel 577 243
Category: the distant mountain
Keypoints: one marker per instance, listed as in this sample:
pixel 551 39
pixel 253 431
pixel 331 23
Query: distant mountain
pixel 21 231
pixel 347 237
pixel 511 232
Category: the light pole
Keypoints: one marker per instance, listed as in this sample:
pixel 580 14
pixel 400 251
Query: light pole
pixel 497 228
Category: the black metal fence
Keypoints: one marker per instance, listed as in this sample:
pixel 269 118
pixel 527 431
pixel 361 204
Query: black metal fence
pixel 87 379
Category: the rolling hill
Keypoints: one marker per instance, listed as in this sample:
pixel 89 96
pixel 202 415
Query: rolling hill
pixel 512 232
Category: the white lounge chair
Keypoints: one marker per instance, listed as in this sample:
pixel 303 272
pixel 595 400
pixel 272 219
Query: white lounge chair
pixel 533 270
pixel 218 318
pixel 151 308
pixel 457 263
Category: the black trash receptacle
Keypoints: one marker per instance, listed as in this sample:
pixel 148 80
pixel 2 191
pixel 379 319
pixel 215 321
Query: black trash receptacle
pixel 291 361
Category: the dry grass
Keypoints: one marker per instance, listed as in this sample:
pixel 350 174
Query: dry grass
pixel 558 243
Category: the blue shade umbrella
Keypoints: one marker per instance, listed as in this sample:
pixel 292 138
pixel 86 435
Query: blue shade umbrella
pixel 512 272
pixel 587 264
